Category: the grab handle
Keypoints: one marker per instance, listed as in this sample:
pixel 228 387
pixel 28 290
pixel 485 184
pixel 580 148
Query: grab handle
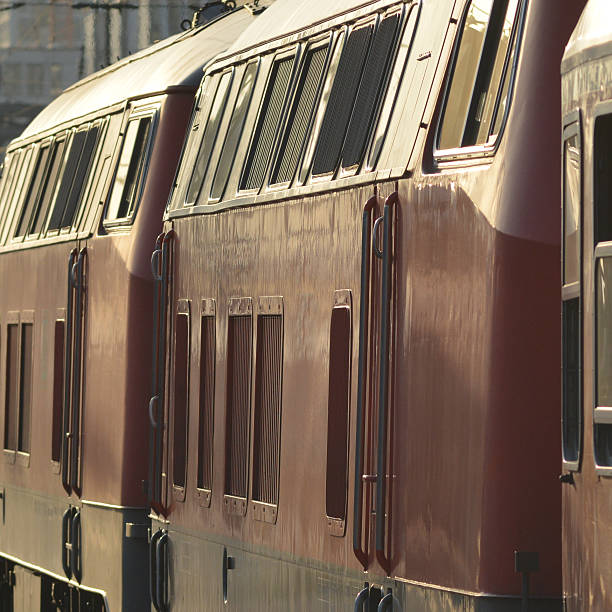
pixel 383 387
pixel 361 551
pixel 386 603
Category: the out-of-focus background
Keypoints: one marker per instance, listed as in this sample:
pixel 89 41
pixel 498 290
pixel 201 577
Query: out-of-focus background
pixel 45 46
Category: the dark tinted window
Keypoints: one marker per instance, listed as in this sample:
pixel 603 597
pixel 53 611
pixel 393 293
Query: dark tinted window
pixel 300 115
pixel 371 89
pixel 33 190
pixel 25 388
pixel 11 400
pixel 341 99
pixel 234 131
pixel 211 128
pixel 267 124
pixel 181 395
pixel 48 187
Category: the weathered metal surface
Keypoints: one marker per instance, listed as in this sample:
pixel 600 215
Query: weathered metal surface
pixel 587 518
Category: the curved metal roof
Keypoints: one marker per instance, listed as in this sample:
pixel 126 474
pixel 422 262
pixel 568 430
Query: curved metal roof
pixel 286 16
pixel 592 37
pixel 174 62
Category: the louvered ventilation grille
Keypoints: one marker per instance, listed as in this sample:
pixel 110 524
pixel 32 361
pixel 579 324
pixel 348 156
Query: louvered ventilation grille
pixel 207 395
pixel 268 385
pixel 370 90
pixel 299 118
pixel 238 404
pixel 340 104
pixel 263 140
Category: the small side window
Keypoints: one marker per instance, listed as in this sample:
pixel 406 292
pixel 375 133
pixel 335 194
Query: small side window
pixel 18 393
pixel 180 405
pixel 15 194
pixel 571 328
pixel 480 83
pixel 131 170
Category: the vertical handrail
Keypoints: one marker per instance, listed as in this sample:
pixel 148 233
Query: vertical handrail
pixel 161 369
pixel 65 452
pixel 161 564
pixel 79 277
pixel 383 388
pixel 66 556
pixel 153 568
pixel 75 552
pixel 361 551
pixel 154 365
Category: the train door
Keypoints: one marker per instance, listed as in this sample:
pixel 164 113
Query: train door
pixel 85 166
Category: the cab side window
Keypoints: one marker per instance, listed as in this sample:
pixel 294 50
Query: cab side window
pixel 480 83
pixel 131 170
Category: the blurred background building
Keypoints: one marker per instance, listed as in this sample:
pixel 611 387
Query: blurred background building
pixel 45 46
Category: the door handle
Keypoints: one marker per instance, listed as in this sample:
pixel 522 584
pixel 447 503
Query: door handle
pixel 362 597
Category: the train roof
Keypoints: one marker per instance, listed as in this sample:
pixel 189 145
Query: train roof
pixel 592 37
pixel 174 62
pixel 287 16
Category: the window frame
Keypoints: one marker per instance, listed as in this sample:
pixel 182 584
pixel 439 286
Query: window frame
pixel 488 149
pixel 18 319
pixel 297 52
pixel 601 415
pixel 572 127
pixel 137 114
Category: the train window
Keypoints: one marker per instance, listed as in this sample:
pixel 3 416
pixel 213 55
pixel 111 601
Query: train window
pixel 25 388
pixel 11 171
pixel 477 99
pixel 211 130
pixel 39 215
pixel 571 292
pixel 207 400
pixel 58 389
pixel 238 404
pixel 602 166
pixel 234 132
pixel 268 402
pixel 33 189
pixel 267 124
pixel 16 193
pixel 300 116
pixel 11 401
pixel 181 399
pixel 77 167
pixel 342 96
pixel 371 88
pixel 338 402
pixel 18 393
pixel 131 170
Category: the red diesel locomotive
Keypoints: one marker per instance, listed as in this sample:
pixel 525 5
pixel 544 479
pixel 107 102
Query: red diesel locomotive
pixel 81 200
pixel 356 373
